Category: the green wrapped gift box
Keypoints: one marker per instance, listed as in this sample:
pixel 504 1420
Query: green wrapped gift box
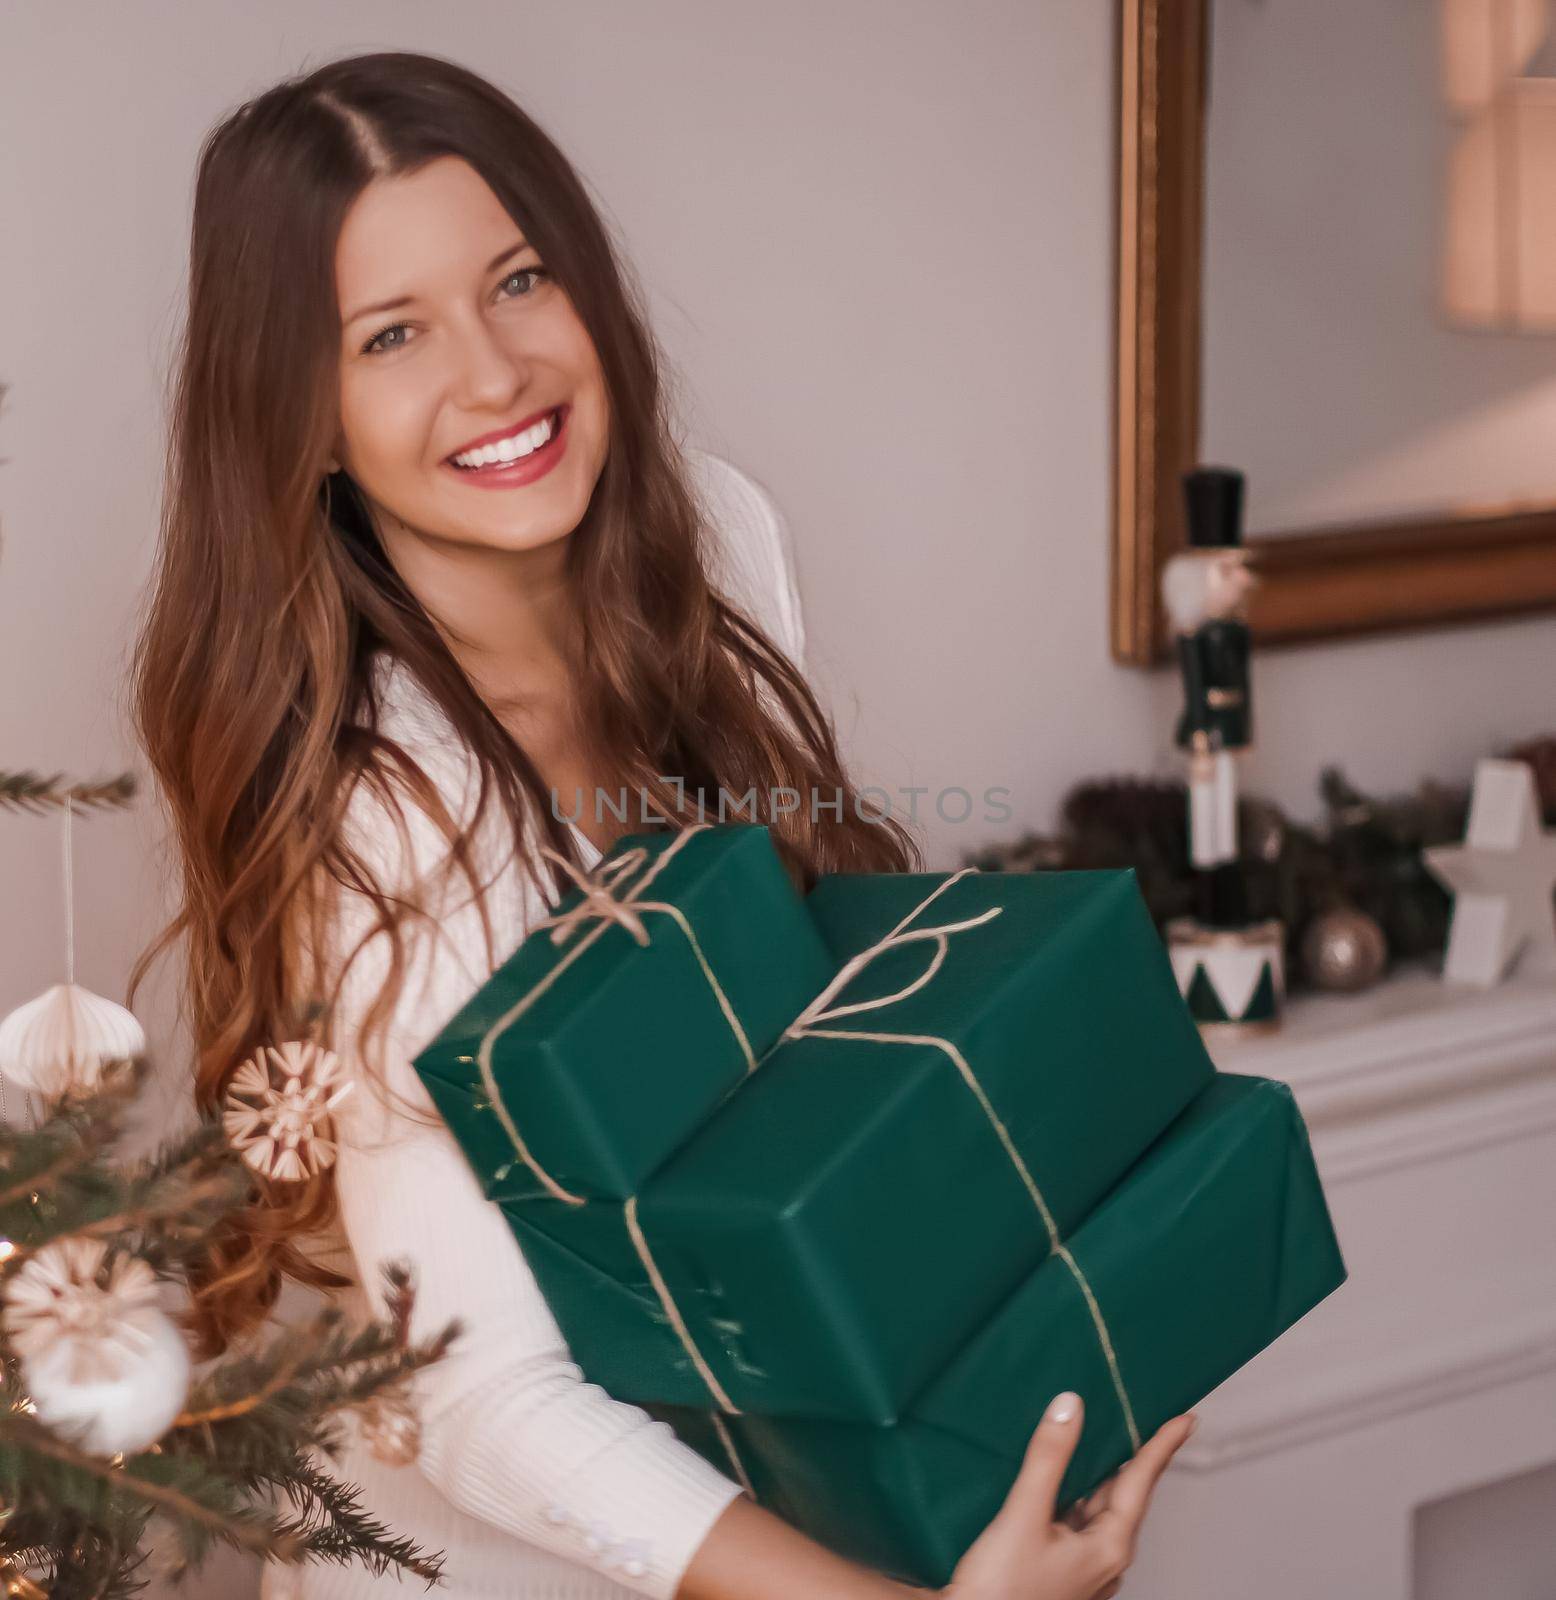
pixel 603 1054
pixel 1216 1241
pixel 840 1225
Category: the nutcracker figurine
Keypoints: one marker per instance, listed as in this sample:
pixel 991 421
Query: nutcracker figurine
pixel 1230 970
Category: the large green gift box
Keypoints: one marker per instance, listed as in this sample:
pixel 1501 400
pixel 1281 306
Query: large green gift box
pixel 584 1061
pixel 1216 1241
pixel 847 1188
pixel 949 1112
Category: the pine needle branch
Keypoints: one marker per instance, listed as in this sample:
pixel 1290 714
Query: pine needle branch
pixel 157 1480
pixel 345 1532
pixel 26 791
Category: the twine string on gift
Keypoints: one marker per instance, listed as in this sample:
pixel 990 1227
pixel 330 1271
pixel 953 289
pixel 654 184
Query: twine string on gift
pixel 821 1010
pixel 597 901
pixel 601 906
pixel 673 1311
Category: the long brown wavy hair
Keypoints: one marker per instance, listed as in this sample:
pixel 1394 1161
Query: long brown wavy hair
pixel 250 685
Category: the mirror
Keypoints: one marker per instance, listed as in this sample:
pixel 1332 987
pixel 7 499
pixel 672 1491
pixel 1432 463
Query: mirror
pixel 1337 272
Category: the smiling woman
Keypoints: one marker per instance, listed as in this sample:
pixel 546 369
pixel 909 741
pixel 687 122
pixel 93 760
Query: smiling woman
pixel 429 557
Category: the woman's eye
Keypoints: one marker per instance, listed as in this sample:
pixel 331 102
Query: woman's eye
pixel 381 340
pixel 536 273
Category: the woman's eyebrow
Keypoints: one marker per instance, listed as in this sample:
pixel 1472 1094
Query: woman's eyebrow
pixel 406 299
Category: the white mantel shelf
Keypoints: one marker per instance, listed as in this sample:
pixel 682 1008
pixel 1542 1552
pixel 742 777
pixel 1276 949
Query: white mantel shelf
pixel 1432 1114
pixel 1443 1067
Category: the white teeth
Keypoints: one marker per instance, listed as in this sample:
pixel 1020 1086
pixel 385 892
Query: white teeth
pixel 510 449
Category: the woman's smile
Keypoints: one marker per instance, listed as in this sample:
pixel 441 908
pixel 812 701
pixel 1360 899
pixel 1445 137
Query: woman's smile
pixel 517 455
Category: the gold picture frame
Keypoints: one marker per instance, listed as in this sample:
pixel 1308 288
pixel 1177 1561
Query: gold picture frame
pixel 1340 580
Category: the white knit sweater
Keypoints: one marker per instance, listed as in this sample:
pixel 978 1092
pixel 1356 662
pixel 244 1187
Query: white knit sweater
pixel 535 1483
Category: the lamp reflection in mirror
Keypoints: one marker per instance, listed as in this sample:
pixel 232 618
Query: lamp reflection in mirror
pixel 1499 80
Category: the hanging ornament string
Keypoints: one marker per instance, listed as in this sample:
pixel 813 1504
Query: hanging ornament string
pixel 70 895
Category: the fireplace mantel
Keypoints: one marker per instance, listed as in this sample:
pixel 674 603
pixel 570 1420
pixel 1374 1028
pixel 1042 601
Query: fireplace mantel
pixel 1432 1112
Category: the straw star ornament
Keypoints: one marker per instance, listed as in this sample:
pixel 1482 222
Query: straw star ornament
pixel 278 1110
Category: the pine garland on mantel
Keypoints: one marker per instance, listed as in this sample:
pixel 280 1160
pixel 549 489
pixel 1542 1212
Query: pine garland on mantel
pixel 1363 854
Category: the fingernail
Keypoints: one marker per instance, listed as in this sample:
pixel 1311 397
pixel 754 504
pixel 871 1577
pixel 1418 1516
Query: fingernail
pixel 1193 1424
pixel 1063 1407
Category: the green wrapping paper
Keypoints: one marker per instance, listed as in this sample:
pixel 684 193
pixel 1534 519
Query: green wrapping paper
pixel 1216 1241
pixel 789 1229
pixel 628 1047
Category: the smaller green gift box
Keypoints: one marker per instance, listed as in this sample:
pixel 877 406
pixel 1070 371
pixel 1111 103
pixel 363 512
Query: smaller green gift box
pixel 993 1054
pixel 1216 1241
pixel 603 1041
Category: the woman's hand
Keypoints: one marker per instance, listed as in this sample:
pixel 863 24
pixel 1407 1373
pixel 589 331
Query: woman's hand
pixel 1025 1554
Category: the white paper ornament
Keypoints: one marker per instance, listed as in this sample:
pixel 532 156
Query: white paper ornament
pixel 1502 878
pixel 277 1110
pixel 65 1038
pixel 103 1364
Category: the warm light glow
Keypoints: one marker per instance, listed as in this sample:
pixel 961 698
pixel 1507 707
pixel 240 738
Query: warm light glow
pixel 1486 42
pixel 1499 236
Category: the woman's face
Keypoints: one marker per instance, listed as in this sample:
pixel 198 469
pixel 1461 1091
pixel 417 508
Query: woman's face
pixel 453 338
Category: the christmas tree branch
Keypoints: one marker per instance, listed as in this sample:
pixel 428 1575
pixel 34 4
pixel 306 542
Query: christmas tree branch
pixel 348 1533
pixel 252 1427
pixel 44 1178
pixel 70 1139
pixel 26 791
pixel 239 1526
pixel 240 1407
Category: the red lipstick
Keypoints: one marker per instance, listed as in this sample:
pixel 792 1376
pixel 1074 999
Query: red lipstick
pixel 524 469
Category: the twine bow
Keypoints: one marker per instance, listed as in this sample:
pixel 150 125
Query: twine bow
pixel 821 1008
pixel 598 901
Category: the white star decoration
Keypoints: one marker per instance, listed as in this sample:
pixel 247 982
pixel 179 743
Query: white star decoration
pixel 1502 878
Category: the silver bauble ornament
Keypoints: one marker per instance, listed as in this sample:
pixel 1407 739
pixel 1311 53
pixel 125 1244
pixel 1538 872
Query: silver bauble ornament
pixel 63 1040
pixel 1343 949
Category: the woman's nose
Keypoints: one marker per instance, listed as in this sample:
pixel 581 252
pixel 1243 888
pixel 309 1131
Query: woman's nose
pixel 488 373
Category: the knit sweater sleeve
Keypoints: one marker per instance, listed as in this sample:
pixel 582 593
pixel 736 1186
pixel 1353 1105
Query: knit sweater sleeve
pixel 512 1432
